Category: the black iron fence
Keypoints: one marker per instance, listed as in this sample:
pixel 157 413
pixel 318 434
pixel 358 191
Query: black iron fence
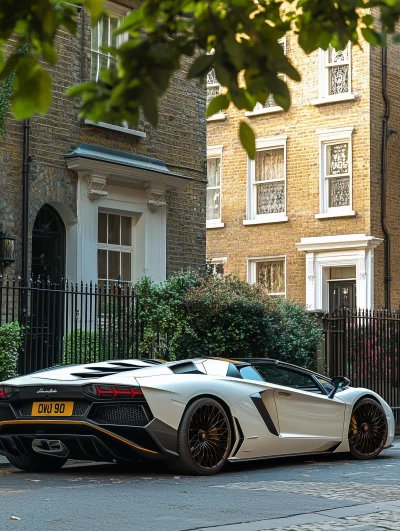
pixel 83 323
pixel 71 323
pixel 365 347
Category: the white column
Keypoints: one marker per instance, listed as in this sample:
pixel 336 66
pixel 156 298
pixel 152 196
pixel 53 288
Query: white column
pixel 310 282
pixel 362 281
pixel 90 188
pixel 156 233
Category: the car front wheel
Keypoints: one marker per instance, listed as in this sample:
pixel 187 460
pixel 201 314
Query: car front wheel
pixel 368 429
pixel 204 439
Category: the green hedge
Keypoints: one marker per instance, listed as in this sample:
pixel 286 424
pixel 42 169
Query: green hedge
pixel 11 335
pixel 84 346
pixel 192 315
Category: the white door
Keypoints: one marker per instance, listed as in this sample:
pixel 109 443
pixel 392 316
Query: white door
pixel 304 413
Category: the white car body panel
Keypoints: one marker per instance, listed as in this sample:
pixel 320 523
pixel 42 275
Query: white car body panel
pixel 185 387
pixel 303 414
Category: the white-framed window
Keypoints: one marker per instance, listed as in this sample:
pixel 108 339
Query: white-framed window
pixel 335 75
pixel 214 189
pixel 336 195
pixel 270 272
pixel 270 105
pixel 102 36
pixel 114 247
pixel 266 186
pixel 213 89
pixel 217 265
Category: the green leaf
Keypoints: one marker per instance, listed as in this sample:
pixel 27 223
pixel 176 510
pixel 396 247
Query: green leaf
pixel 371 36
pixel 23 107
pixel 243 99
pixel 217 104
pixel 368 20
pixel 129 21
pixel 78 90
pixel 44 91
pixel 150 106
pixel 95 8
pixel 200 66
pixel 10 65
pixel 49 53
pixel 247 138
pixel 33 89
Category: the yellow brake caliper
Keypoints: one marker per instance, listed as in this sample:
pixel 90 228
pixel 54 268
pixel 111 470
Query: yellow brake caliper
pixel 353 425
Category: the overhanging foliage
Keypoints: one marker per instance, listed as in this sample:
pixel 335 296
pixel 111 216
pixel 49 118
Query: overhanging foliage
pixel 232 36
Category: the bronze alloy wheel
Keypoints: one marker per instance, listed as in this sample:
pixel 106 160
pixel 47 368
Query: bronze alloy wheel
pixel 209 435
pixel 368 429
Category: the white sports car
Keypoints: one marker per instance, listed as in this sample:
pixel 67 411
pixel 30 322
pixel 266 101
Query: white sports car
pixel 196 414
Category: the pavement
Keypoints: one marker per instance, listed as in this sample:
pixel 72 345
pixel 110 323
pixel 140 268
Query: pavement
pixel 323 493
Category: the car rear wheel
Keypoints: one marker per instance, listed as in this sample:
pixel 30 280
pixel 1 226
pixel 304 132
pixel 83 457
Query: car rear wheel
pixel 204 439
pixel 37 463
pixel 368 429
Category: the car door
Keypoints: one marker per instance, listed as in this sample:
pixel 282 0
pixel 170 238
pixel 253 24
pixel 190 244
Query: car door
pixel 304 409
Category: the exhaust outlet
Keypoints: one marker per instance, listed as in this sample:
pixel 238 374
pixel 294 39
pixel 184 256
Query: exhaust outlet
pixel 50 447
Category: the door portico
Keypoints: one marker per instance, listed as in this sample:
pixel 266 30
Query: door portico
pixel 342 251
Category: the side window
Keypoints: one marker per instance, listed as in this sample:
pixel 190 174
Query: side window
pixel 326 384
pixel 250 373
pixel 282 376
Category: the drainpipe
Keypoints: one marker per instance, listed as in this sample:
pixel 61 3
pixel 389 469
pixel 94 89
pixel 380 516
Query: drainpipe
pixel 386 132
pixel 25 201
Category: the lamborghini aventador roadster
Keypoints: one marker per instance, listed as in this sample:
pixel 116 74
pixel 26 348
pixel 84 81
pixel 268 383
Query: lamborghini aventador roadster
pixel 195 414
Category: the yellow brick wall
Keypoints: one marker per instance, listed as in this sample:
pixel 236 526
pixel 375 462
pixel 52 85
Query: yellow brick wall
pixel 238 242
pixel 393 171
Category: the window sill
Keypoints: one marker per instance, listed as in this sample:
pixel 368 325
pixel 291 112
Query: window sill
pixel 217 117
pixel 218 225
pixel 327 215
pixel 264 221
pixel 334 99
pixel 118 128
pixel 266 110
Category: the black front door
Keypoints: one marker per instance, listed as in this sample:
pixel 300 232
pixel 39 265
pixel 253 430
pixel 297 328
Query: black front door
pixel 48 246
pixel 342 295
pixel 45 304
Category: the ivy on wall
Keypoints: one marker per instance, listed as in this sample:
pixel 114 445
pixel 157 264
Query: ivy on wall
pixel 5 95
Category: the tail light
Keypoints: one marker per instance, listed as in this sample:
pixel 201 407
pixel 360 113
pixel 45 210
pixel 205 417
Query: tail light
pixel 112 391
pixel 7 392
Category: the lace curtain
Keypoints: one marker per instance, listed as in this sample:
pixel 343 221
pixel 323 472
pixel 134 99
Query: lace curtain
pixel 271 274
pixel 269 166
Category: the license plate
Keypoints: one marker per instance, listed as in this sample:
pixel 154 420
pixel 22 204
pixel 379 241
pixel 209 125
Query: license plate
pixel 52 409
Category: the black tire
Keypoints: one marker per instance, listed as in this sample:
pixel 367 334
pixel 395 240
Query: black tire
pixel 367 430
pixel 204 439
pixel 37 463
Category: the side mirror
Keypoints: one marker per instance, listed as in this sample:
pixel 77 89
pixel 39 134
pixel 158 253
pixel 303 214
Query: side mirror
pixel 339 382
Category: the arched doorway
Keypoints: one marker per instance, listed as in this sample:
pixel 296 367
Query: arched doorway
pixel 45 307
pixel 48 246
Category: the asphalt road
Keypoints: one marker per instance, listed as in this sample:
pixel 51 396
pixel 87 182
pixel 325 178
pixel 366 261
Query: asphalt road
pixel 297 494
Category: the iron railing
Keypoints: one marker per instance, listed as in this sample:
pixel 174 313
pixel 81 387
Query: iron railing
pixel 71 323
pixel 365 346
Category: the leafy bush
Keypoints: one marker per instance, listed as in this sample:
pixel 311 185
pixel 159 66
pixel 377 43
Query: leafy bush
pixel 191 315
pixel 164 315
pixel 84 346
pixel 10 342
